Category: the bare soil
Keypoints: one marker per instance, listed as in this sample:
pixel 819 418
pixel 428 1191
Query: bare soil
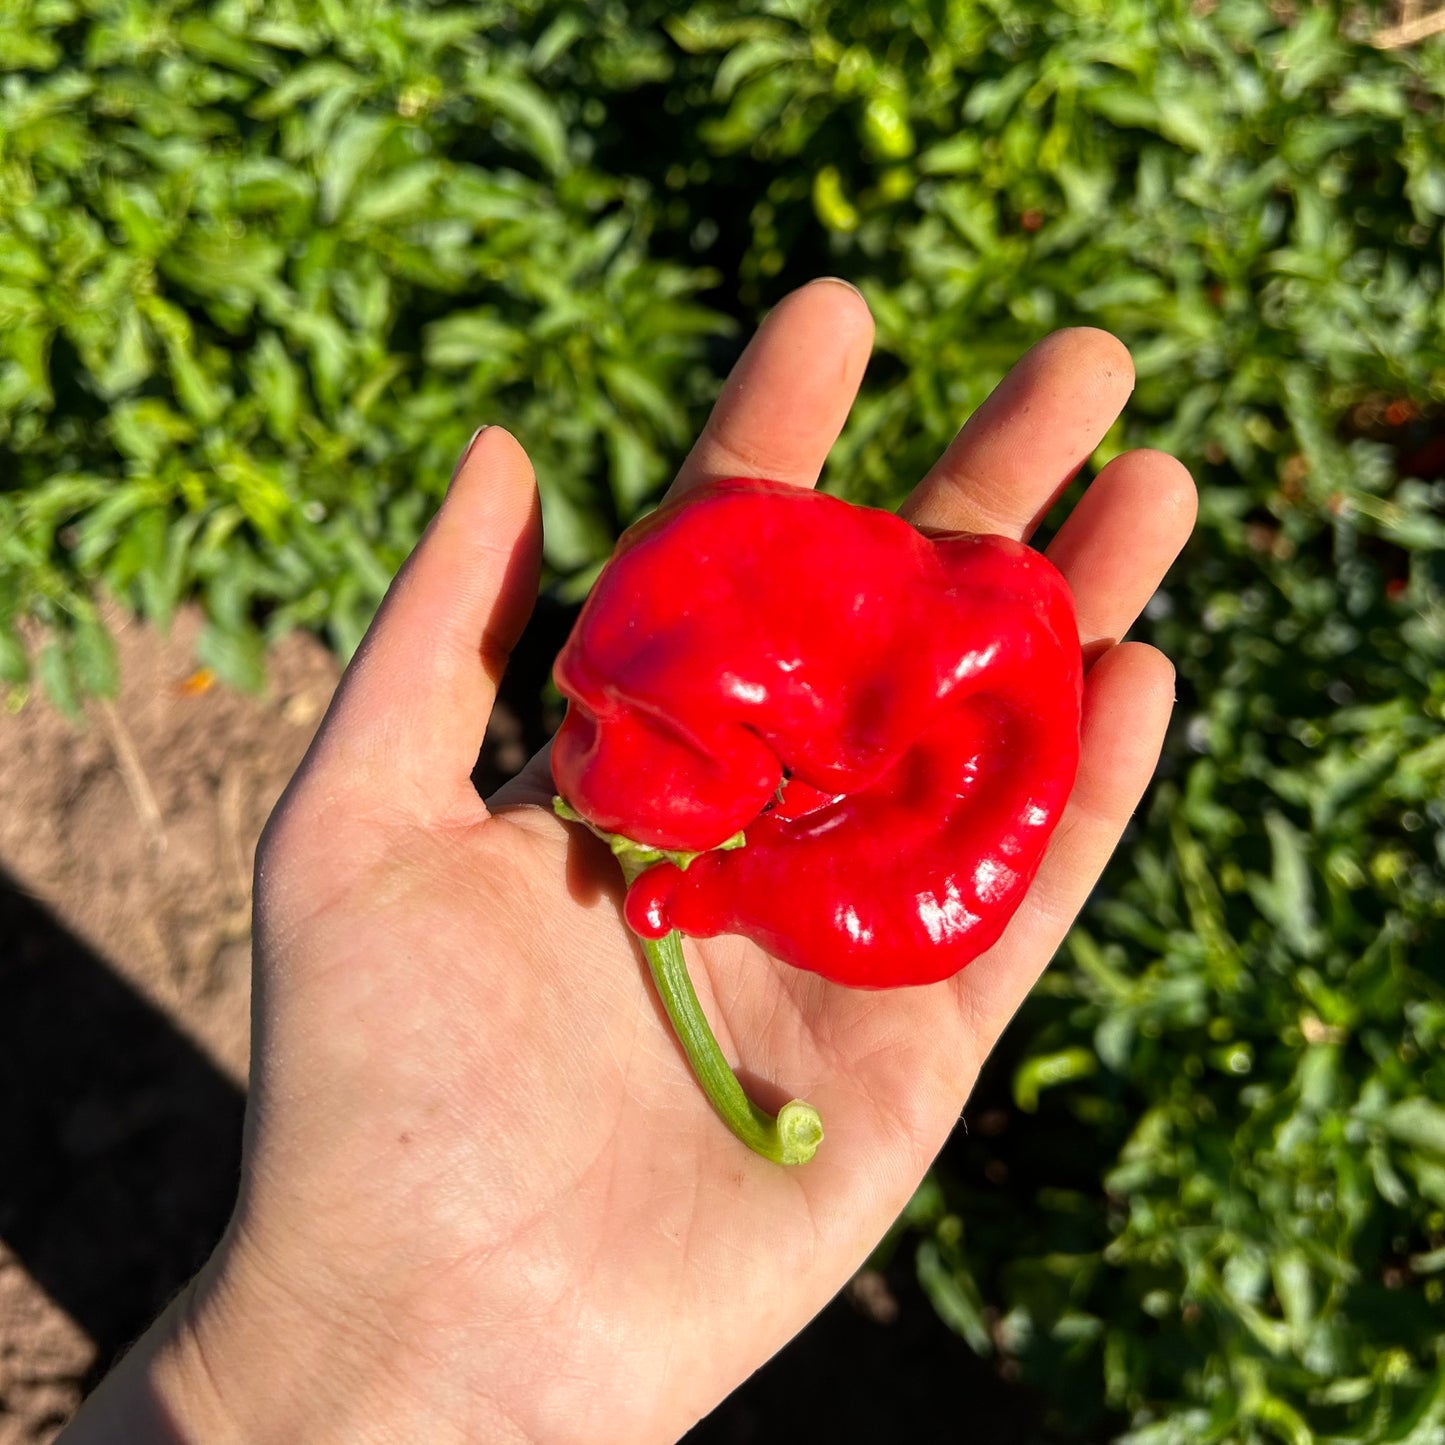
pixel 126 848
pixel 125 864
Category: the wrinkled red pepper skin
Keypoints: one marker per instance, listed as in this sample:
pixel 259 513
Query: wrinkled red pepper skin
pixel 892 718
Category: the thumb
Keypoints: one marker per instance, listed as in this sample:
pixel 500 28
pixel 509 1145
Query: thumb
pixel 409 715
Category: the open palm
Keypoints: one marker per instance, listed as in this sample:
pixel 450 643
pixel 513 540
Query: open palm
pixel 482 1196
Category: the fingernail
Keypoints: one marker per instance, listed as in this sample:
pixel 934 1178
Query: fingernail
pixel 466 452
pixel 837 281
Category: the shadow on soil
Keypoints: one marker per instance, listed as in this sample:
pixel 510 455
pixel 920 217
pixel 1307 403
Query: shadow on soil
pixel 120 1142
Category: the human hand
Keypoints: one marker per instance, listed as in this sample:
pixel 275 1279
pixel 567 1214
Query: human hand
pixel 482 1197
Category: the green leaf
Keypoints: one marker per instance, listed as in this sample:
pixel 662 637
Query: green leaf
pixel 1287 900
pixel 469 338
pixel 751 58
pixel 130 361
pixel 279 384
pixel 529 109
pixel 886 130
pixel 831 203
pixel 1294 1285
pixel 202 37
pixel 1048 1071
pixel 14 659
pixel 97 671
pixel 556 40
pixel 573 532
pixel 350 150
pixel 633 389
pixel 57 677
pixel 307 82
pixel 402 194
pixel 634 469
pixel 236 655
pixel 957 155
pixel 955 1297
pixel 1419 1123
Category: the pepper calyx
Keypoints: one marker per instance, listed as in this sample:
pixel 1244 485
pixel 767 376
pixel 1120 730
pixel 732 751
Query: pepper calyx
pixel 636 858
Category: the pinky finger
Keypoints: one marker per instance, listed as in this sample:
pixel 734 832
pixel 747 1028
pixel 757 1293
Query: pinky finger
pixel 1128 698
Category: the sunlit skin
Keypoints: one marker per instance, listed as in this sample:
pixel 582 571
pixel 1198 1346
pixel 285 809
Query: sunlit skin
pixel 482 1198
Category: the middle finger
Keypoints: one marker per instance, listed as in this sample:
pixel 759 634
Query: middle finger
pixel 787 398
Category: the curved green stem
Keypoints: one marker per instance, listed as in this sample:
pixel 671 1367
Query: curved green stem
pixel 793 1137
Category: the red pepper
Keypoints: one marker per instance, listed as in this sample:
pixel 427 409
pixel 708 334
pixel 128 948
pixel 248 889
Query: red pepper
pixel 890 718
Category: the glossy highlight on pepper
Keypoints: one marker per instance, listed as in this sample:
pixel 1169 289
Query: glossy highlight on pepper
pixel 891 719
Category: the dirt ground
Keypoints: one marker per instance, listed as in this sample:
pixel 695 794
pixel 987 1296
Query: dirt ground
pixel 125 866
pixel 125 863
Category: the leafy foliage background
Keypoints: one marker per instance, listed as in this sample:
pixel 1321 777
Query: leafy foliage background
pixel 263 268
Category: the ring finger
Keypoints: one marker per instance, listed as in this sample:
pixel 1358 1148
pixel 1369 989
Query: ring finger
pixel 1017 452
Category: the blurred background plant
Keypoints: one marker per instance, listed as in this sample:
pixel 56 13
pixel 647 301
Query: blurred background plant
pixel 263 268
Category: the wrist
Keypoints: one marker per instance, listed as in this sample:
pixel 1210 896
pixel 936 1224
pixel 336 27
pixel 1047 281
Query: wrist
pixel 158 1391
pixel 281 1361
pixel 236 1358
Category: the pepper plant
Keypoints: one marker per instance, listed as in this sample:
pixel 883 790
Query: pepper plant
pixel 262 271
pixel 260 278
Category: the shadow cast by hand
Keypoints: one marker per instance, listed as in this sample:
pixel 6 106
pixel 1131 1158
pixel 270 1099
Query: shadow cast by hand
pixel 121 1141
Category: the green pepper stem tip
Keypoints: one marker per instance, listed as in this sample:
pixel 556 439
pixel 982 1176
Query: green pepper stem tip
pixel 791 1138
pixel 800 1131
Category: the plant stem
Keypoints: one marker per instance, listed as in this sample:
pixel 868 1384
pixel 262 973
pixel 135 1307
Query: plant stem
pixel 793 1137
